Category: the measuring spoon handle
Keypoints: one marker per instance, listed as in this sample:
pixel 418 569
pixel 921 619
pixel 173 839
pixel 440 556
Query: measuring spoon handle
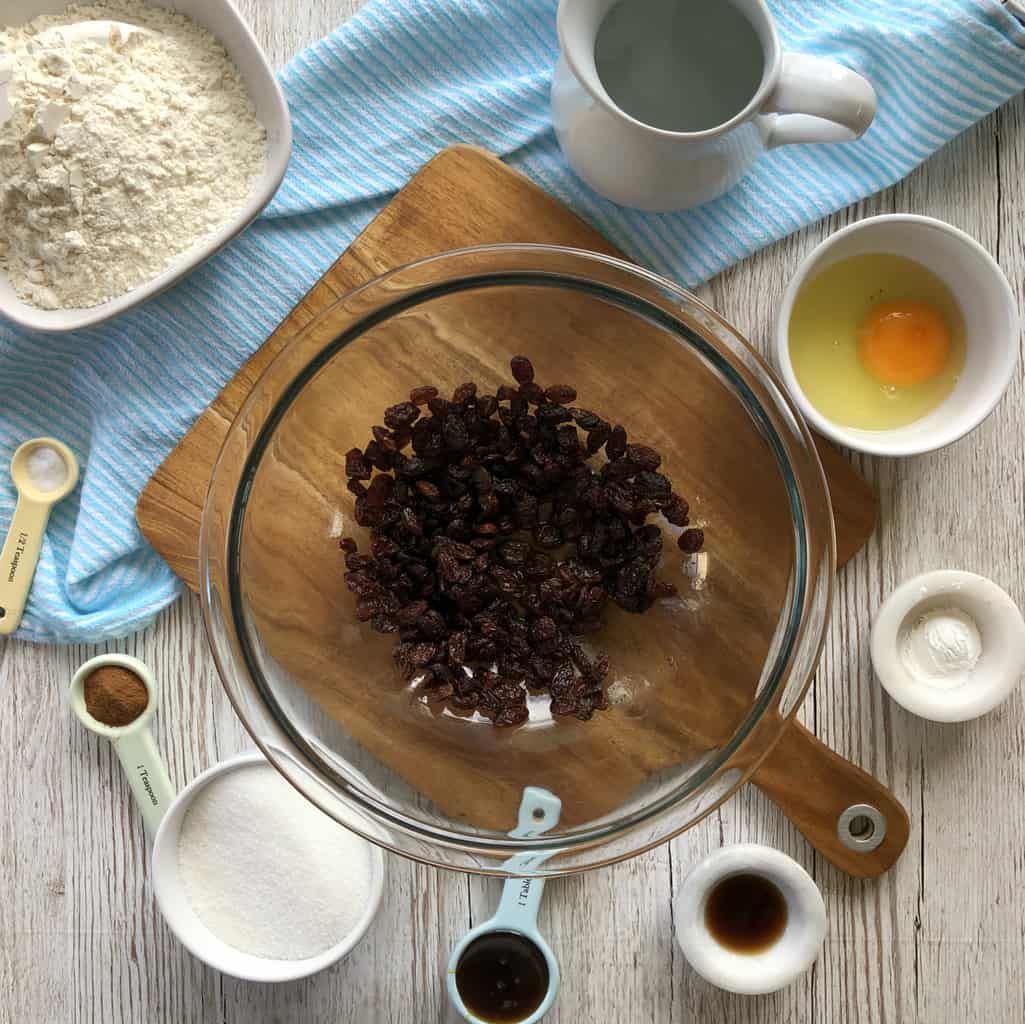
pixel 18 560
pixel 151 785
pixel 521 899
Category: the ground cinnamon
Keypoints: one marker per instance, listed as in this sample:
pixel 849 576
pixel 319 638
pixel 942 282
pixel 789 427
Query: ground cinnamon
pixel 114 695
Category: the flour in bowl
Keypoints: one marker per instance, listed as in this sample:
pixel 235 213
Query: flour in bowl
pixel 117 154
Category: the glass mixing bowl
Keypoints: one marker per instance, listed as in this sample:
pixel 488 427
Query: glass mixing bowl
pixel 701 685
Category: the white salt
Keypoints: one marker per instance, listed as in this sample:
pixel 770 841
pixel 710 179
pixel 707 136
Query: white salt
pixel 46 468
pixel 266 871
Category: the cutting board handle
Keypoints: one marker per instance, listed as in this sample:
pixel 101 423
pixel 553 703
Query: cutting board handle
pixel 814 787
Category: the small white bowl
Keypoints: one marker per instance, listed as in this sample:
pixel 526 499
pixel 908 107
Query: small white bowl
pixel 226 24
pixel 198 939
pixel 787 958
pixel 991 328
pixel 1001 629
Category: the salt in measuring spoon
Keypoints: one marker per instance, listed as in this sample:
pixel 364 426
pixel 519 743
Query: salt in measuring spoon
pixel 40 484
pixel 518 907
pixel 133 743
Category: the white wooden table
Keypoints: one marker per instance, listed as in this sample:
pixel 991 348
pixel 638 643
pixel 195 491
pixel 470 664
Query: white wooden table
pixel 940 939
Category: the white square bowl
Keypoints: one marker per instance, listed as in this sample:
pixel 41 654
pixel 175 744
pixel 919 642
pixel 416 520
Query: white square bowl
pixel 224 22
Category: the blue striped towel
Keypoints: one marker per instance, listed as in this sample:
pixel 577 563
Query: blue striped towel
pixel 371 103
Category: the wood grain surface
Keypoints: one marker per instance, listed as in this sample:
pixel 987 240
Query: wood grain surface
pixel 937 940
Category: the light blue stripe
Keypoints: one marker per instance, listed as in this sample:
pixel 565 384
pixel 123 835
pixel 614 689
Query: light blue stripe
pixel 493 127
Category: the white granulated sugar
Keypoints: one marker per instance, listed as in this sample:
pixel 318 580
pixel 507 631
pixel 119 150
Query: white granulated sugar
pixel 46 468
pixel 266 871
pixel 116 156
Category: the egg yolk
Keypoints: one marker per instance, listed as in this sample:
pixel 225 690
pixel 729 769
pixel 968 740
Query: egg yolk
pixel 903 343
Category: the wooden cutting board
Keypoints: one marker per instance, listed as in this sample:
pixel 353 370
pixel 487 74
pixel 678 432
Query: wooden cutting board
pixel 463 197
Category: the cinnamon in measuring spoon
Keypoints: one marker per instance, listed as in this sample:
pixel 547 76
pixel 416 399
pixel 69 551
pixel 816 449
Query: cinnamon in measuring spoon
pixel 114 696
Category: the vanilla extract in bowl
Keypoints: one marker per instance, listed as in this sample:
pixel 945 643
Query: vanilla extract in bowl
pixel 746 913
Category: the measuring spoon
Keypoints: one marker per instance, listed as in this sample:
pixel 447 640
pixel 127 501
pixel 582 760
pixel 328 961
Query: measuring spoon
pixel 25 536
pixel 521 898
pixel 133 743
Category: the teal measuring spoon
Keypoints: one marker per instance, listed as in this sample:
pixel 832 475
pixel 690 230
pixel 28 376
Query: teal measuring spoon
pixel 518 907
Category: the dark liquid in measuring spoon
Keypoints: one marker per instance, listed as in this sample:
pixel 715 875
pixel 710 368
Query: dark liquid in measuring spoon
pixel 746 913
pixel 502 977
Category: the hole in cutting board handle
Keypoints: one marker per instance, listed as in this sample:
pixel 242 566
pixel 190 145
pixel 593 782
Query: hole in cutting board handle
pixel 861 827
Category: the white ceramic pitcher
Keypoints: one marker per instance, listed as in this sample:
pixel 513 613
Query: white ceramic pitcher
pixel 799 99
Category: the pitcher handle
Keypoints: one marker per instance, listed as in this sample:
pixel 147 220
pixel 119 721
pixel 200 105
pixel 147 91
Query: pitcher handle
pixel 818 100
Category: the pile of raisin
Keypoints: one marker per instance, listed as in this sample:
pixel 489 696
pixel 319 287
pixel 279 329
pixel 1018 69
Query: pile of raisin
pixel 496 544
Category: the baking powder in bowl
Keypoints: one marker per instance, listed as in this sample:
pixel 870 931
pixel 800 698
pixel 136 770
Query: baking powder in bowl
pixel 942 647
pixel 266 871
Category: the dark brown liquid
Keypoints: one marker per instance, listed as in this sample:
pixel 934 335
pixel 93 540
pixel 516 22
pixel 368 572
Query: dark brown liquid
pixel 746 913
pixel 502 977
